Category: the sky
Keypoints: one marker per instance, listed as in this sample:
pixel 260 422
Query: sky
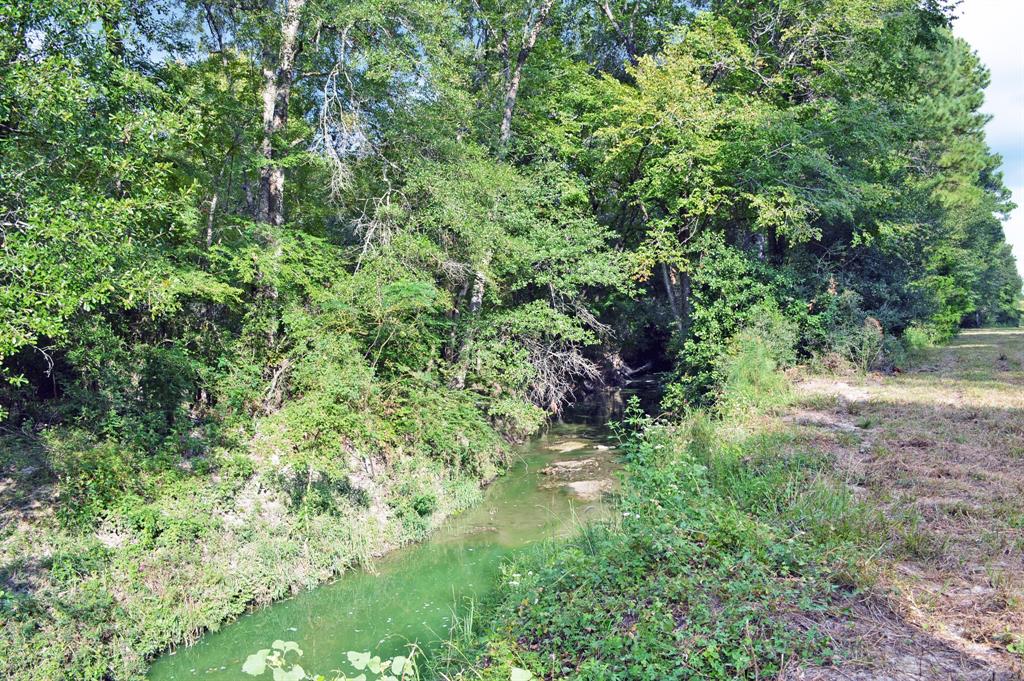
pixel 995 28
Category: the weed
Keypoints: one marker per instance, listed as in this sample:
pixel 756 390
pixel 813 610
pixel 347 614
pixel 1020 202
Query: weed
pixel 727 530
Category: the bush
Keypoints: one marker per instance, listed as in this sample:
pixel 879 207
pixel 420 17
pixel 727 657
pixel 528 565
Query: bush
pixel 745 374
pixel 731 291
pixel 92 477
pixel 515 418
pixel 917 338
pixel 842 336
pixel 866 344
pixel 750 376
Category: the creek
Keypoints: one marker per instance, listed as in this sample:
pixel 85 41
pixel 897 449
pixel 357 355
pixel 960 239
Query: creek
pixel 559 480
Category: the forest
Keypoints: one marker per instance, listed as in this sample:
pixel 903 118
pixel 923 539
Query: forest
pixel 284 282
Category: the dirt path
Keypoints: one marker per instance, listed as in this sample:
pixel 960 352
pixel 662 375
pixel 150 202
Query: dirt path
pixel 940 451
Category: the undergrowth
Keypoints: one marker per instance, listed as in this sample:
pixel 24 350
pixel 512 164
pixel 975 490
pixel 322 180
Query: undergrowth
pixel 107 558
pixel 731 537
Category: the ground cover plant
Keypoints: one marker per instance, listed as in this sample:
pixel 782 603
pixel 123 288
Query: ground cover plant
pixel 280 283
pixel 808 535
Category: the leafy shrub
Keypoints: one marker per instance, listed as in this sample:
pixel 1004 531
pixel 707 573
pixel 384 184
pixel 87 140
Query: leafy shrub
pixel 414 503
pixel 235 466
pixel 842 336
pixel 152 525
pixel 91 476
pixel 750 376
pixel 917 337
pixel 516 418
pixel 425 503
pixel 69 565
pixel 136 392
pixel 894 353
pixel 745 374
pixel 867 345
pixel 731 291
pixel 446 425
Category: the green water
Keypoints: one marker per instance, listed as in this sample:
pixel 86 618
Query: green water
pixel 410 595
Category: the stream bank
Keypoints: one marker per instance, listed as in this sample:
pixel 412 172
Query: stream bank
pixel 558 481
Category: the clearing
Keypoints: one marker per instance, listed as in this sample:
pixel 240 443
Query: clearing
pixel 940 450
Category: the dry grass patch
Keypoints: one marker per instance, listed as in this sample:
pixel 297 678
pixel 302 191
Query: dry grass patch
pixel 878 644
pixel 940 449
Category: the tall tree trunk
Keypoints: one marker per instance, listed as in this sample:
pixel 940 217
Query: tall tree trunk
pixel 277 88
pixel 685 305
pixel 670 293
pixel 514 79
pixel 451 351
pixel 677 290
pixel 210 213
pixel 761 246
pixel 476 301
pixel 516 74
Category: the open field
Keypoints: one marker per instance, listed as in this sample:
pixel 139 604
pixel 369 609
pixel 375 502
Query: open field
pixel 939 450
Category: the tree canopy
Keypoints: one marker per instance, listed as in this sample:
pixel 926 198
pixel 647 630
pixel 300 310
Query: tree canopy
pixel 491 197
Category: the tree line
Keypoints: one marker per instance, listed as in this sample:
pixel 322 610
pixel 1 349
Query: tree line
pixel 314 213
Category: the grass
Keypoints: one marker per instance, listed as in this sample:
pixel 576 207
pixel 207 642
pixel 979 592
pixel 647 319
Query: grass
pixel 865 526
pixel 98 601
pixel 733 540
pixel 943 464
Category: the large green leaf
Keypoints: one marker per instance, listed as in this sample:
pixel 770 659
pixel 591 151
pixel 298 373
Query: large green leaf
pixel 296 673
pixel 401 665
pixel 358 660
pixel 256 663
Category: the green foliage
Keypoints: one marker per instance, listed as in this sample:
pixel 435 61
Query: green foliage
pixel 731 292
pixel 722 534
pixel 918 338
pixel 92 477
pixel 276 659
pixel 202 299
pixel 841 332
pixel 751 379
